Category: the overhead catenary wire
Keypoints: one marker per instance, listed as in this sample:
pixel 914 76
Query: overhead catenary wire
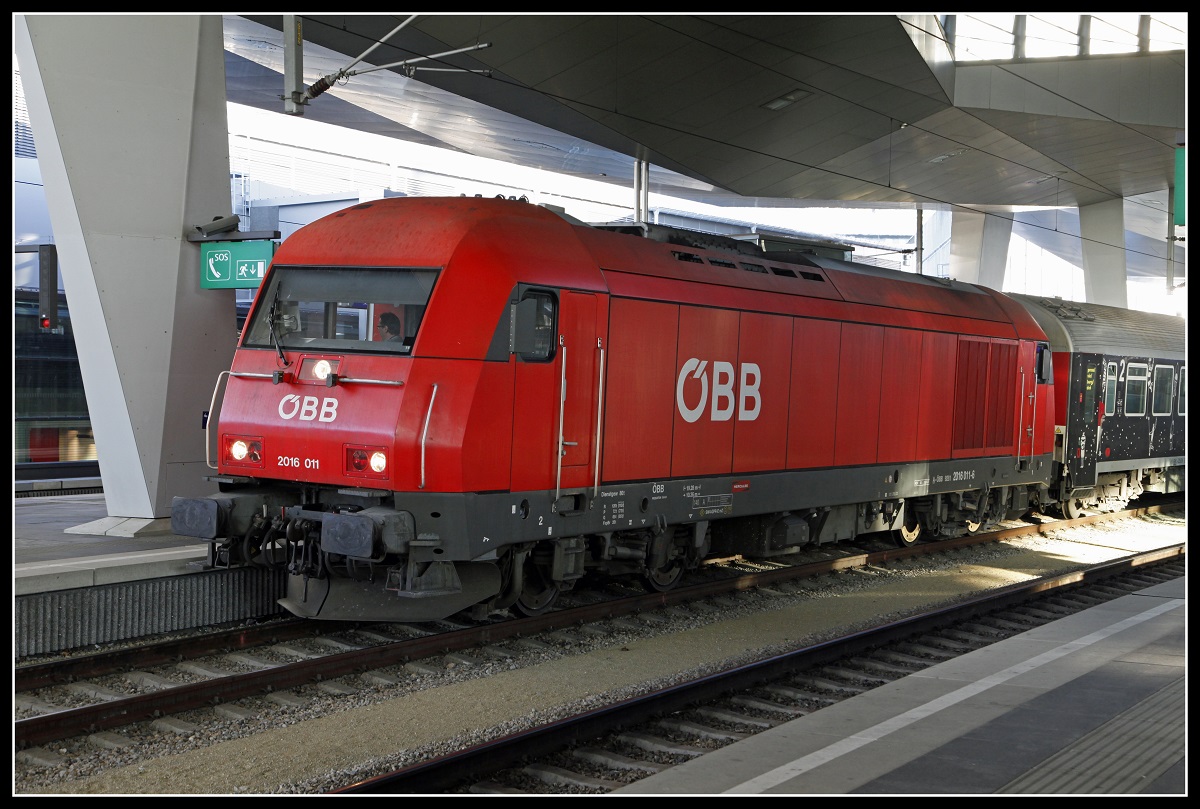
pixel 325 82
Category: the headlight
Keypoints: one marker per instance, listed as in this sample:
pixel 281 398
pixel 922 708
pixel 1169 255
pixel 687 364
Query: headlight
pixel 243 449
pixel 317 369
pixel 368 462
pixel 378 462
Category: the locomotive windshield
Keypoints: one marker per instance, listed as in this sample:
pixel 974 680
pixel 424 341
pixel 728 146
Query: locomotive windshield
pixel 341 309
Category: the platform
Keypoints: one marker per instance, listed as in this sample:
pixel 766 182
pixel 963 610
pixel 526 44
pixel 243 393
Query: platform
pixel 1089 704
pixel 81 578
pixel 50 552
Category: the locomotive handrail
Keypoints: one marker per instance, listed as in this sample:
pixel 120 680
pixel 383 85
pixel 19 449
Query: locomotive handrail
pixel 1033 422
pixel 1021 420
pixel 599 410
pixel 341 380
pixel 562 401
pixel 212 408
pixel 425 433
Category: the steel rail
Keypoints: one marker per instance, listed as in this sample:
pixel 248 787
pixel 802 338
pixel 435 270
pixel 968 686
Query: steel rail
pixel 478 762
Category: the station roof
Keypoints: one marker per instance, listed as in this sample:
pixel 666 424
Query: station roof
pixel 793 110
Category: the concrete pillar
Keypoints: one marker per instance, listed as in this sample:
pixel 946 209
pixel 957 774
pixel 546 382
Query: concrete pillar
pixel 979 247
pixel 1102 228
pixel 129 118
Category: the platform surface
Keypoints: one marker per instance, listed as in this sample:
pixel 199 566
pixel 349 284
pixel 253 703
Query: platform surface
pixel 49 552
pixel 1090 704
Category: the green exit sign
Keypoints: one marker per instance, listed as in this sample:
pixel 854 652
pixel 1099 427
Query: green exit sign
pixel 234 265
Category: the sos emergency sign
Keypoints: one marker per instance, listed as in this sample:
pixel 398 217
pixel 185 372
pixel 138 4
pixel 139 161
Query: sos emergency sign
pixel 235 265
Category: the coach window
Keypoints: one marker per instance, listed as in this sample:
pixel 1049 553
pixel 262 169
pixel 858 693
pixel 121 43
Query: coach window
pixel 1164 380
pixel 1183 391
pixel 1110 390
pixel 1135 390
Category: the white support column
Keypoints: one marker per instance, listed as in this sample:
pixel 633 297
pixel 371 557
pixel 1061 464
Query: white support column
pixel 641 191
pixel 129 118
pixel 1102 227
pixel 979 247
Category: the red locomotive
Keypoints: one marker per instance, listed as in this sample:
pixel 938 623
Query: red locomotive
pixel 460 404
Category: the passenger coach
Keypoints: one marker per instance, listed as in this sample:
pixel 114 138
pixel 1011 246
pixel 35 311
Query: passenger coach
pixel 1120 423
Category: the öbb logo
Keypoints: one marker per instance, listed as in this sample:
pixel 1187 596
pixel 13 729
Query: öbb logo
pixel 747 399
pixel 291 405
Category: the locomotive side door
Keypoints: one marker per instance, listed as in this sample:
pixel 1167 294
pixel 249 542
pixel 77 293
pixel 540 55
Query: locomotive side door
pixel 579 352
pixel 557 378
pixel 1035 411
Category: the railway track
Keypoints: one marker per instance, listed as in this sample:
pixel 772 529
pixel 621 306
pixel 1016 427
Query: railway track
pixel 94 695
pixel 604 750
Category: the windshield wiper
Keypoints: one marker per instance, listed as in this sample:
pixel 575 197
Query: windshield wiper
pixel 271 327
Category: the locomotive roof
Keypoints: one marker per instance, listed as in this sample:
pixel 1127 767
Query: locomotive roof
pixel 450 231
pixel 806 254
pixel 881 272
pixel 734 270
pixel 1093 328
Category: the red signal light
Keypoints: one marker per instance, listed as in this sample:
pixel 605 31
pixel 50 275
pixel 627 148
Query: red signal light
pixel 45 321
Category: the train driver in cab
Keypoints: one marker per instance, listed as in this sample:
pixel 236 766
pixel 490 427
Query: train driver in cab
pixel 389 328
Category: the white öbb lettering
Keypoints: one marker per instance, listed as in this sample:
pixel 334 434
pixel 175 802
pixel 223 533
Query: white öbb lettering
pixel 748 400
pixel 306 407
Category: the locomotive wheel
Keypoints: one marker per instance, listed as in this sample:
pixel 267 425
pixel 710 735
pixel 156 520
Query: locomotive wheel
pixel 664 578
pixel 909 533
pixel 538 590
pixel 1072 509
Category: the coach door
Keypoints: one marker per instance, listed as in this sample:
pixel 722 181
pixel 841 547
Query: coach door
pixel 1083 420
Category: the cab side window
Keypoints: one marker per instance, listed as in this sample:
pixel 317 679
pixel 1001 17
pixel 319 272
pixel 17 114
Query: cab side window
pixel 533 326
pixel 1045 364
